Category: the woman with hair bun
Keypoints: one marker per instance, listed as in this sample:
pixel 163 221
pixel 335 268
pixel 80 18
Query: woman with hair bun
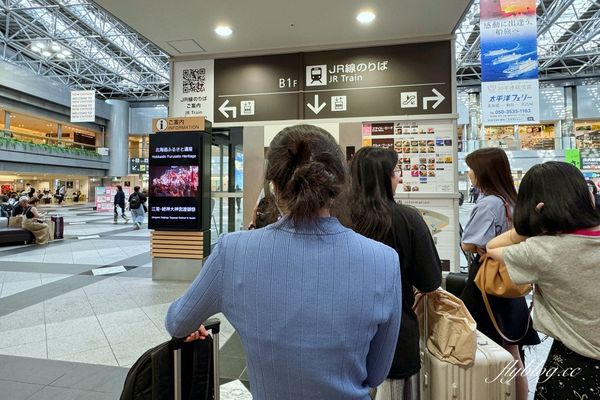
pixel 317 306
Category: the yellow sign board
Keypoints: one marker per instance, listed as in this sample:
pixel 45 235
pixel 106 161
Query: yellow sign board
pixel 183 124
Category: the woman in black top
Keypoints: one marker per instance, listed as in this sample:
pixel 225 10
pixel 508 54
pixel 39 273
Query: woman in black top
pixel 375 214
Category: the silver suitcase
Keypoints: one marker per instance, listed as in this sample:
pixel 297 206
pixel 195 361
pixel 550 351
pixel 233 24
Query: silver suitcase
pixel 485 379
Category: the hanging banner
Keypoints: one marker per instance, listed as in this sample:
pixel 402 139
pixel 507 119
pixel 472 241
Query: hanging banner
pixel 193 88
pixel 83 106
pixel 509 63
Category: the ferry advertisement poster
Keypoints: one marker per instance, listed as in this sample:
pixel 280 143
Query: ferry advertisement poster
pixel 509 63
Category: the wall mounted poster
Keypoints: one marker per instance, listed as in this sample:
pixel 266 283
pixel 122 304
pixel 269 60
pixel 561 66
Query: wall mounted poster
pixel 509 62
pixel 175 181
pixel 105 197
pixel 425 153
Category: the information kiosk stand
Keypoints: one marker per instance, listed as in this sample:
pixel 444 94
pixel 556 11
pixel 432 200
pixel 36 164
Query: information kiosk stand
pixel 179 197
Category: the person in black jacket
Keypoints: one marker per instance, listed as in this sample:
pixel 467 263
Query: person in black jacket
pixel 120 202
pixel 375 214
pixel 137 206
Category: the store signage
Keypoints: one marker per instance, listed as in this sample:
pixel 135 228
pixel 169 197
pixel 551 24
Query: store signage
pixel 185 124
pixel 83 106
pixel 509 62
pixel 193 88
pixel 175 182
pixel 412 79
pixel 590 160
pixel 138 165
pixel 573 156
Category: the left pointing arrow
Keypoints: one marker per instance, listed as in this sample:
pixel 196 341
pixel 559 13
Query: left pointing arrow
pixel 223 109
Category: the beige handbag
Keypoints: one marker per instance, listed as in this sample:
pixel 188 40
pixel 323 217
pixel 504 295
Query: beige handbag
pixel 492 278
pixel 449 327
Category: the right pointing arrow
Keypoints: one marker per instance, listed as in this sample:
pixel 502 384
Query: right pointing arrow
pixel 316 108
pixel 438 98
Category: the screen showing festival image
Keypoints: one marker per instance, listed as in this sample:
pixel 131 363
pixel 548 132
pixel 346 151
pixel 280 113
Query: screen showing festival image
pixel 174 181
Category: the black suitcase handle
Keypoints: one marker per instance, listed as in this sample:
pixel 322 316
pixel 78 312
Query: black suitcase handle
pixel 213 325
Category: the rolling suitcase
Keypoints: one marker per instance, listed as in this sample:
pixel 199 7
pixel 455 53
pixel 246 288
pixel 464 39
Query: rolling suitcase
pixel 484 379
pixel 213 325
pixel 59 227
pixel 176 370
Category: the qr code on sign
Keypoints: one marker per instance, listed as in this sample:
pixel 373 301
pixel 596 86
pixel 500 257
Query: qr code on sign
pixel 193 80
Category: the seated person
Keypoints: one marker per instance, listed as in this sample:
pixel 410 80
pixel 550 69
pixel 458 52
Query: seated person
pixel 16 219
pixel 33 221
pixel 21 206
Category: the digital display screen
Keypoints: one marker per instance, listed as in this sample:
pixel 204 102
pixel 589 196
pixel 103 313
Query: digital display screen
pixel 175 181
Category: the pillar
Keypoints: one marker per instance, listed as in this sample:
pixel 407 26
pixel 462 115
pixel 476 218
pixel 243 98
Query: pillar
pixel 59 129
pixel 474 122
pixel 117 137
pixel 568 124
pixel 7 120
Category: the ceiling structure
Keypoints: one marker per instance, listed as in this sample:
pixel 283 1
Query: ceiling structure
pixel 186 27
pixel 84 47
pixel 568 41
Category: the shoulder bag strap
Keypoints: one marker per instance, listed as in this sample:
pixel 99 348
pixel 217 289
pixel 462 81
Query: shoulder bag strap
pixel 495 323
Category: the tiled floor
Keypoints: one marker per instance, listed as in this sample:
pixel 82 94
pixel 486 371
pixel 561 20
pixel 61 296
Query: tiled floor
pixel 67 334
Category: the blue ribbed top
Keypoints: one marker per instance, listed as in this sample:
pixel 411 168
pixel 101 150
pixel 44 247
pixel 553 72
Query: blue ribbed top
pixel 317 309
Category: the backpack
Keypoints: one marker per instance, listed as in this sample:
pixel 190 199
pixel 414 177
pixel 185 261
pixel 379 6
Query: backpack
pixel 151 377
pixel 135 202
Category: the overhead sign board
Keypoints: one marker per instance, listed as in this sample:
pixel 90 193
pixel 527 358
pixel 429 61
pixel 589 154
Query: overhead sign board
pixel 184 124
pixel 257 88
pixel 138 165
pixel 83 106
pixel 412 79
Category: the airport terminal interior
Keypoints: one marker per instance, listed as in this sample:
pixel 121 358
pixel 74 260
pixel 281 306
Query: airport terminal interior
pixel 180 102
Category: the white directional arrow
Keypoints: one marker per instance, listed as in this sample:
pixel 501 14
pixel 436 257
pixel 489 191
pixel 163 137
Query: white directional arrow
pixel 224 109
pixel 316 108
pixel 438 98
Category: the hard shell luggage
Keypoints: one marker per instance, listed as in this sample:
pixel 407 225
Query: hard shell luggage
pixel 59 226
pixel 176 370
pixel 487 378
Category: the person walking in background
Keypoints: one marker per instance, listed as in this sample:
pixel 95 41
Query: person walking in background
pixel 136 205
pixel 120 203
pixel 62 193
pixel 556 246
pixel 376 215
pixel 317 305
pixel 489 171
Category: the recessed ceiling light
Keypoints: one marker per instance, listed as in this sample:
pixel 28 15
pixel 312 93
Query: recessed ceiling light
pixel 223 30
pixel 46 53
pixel 365 17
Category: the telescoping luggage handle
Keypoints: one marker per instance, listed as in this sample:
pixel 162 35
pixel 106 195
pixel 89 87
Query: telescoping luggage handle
pixel 214 326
